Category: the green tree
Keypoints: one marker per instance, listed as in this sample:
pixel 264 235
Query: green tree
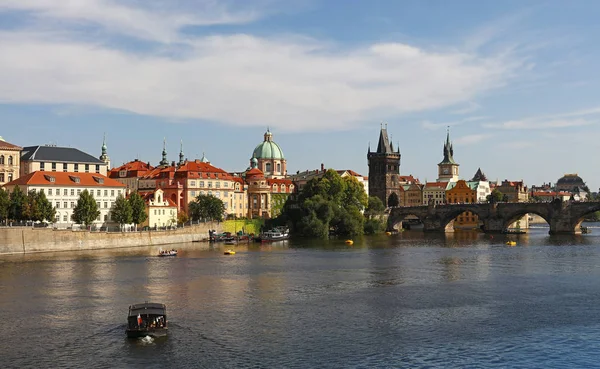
pixel 138 209
pixel 47 211
pixel 375 207
pixel 393 200
pixel 374 214
pixel 86 210
pixel 495 196
pixel 207 207
pixel 121 212
pixel 18 201
pixel 4 204
pixel 182 217
pixel 31 210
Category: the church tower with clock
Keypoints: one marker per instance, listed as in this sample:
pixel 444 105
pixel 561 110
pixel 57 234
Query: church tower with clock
pixel 448 168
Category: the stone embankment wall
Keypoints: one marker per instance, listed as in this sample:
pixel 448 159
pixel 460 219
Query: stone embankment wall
pixel 21 240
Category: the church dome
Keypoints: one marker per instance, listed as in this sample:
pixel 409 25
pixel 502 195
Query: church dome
pixel 268 149
pixel 570 180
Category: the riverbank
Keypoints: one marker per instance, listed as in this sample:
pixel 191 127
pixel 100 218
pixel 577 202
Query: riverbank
pixel 24 240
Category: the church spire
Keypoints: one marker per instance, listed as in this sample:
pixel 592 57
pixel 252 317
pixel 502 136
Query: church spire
pixel 448 149
pixel 104 156
pixel 181 156
pixel 164 162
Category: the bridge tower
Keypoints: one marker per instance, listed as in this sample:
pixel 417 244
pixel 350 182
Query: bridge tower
pixel 448 168
pixel 384 169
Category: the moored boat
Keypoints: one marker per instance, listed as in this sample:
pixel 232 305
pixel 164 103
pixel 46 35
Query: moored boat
pixel 147 319
pixel 171 252
pixel 276 234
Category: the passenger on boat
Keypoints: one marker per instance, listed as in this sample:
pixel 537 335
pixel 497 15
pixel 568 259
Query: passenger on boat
pixel 139 320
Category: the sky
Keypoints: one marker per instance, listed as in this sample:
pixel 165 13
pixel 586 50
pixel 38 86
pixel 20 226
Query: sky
pixel 515 82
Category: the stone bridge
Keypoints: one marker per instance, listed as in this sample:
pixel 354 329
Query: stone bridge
pixel 564 217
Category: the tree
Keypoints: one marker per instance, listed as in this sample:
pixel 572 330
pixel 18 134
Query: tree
pixel 4 204
pixel 38 208
pixel 17 204
pixel 393 200
pixel 207 207
pixel 182 217
pixel 374 214
pixel 86 210
pixel 375 207
pixel 121 212
pixel 138 209
pixel 495 196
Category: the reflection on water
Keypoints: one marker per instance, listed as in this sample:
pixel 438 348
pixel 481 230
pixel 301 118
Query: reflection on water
pixel 463 299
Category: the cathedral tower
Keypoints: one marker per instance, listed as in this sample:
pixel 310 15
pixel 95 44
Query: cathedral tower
pixel 448 168
pixel 384 170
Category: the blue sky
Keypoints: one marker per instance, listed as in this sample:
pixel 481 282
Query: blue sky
pixel 516 81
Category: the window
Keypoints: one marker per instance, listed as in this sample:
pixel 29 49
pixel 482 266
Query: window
pixel 57 218
pixel 1 159
pixel 226 184
pixel 97 168
pixel 193 193
pixel 105 205
pixel 112 193
pixel 72 192
pixel 97 193
pixel 105 217
pixel 201 184
pixel 278 167
pixel 76 168
pixel 65 204
pixel 163 211
pixel 49 191
pixel 1 177
pixel 65 218
pixel 87 168
pixel 267 167
pixel 218 184
pixel 65 167
pixel 98 204
pixel 72 204
pixel 79 192
pixel 193 183
pixel 209 184
pixel 10 160
pixel 65 192
pixel 105 192
pixel 58 205
pixel 54 167
pixel 42 166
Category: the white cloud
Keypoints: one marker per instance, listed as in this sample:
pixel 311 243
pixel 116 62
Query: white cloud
pixel 290 83
pixel 471 139
pixel 537 124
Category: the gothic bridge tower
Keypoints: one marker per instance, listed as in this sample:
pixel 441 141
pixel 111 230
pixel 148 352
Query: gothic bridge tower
pixel 384 169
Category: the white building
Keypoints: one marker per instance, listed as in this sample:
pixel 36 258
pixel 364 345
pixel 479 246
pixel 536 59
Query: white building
pixel 63 189
pixel 162 212
pixel 436 192
pixel 61 159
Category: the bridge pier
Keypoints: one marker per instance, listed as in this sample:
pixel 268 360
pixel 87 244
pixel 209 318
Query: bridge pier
pixel 493 225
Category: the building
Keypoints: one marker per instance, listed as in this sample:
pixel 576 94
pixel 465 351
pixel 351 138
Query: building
pixel 270 159
pixel 61 159
pixel 10 161
pixel 574 184
pixel 466 192
pixel 514 191
pixel 435 192
pixel 448 168
pixel 161 211
pixel 300 179
pixel 130 173
pixel 63 189
pixel 384 169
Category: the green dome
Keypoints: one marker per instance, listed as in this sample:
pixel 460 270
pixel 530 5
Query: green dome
pixel 268 149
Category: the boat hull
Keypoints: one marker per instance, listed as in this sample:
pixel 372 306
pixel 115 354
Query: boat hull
pixel 152 332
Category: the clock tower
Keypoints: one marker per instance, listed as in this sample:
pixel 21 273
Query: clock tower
pixel 384 170
pixel 448 168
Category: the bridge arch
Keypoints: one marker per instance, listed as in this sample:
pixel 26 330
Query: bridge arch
pixel 512 217
pixel 580 216
pixel 397 215
pixel 451 215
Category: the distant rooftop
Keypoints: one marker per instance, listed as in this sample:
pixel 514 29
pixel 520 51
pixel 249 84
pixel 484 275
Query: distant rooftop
pixel 57 154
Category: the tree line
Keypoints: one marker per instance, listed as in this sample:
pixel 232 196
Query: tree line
pixel 335 205
pixel 19 206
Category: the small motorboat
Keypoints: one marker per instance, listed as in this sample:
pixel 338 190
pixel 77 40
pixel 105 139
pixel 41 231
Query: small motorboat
pixel 171 252
pixel 147 319
pixel 229 252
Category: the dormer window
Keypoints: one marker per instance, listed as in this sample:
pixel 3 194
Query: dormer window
pixel 75 179
pixel 99 180
pixel 50 178
pixel 122 173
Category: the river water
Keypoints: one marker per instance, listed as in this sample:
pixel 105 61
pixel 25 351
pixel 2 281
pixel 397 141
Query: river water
pixel 464 300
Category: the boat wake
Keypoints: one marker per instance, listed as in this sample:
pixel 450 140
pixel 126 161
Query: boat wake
pixel 147 340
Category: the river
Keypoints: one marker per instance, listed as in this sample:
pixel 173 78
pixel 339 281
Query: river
pixel 412 300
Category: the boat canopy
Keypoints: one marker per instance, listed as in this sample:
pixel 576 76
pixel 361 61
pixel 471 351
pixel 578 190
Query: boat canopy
pixel 147 308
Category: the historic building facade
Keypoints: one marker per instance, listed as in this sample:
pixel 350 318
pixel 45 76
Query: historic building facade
pixel 384 169
pixel 10 161
pixel 161 211
pixel 63 189
pixel 61 159
pixel 270 158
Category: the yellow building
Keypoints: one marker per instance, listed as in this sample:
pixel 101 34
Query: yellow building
pixel 461 193
pixel 10 160
pixel 162 212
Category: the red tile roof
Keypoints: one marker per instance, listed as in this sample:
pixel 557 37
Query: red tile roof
pixel 65 179
pixel 254 173
pixel 134 168
pixel 8 146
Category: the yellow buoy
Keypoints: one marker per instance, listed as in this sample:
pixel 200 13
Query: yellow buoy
pixel 511 243
pixel 229 252
pixel 349 242
pixel 388 233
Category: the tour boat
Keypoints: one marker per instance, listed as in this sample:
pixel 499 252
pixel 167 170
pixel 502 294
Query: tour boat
pixel 229 252
pixel 167 253
pixel 277 234
pixel 147 319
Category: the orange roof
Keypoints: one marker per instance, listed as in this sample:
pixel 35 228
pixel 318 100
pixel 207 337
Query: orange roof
pixel 150 196
pixel 134 168
pixel 8 146
pixel 279 181
pixel 254 172
pixel 65 179
pixel 436 185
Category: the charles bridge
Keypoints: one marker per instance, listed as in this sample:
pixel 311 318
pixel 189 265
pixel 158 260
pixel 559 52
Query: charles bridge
pixel 564 217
